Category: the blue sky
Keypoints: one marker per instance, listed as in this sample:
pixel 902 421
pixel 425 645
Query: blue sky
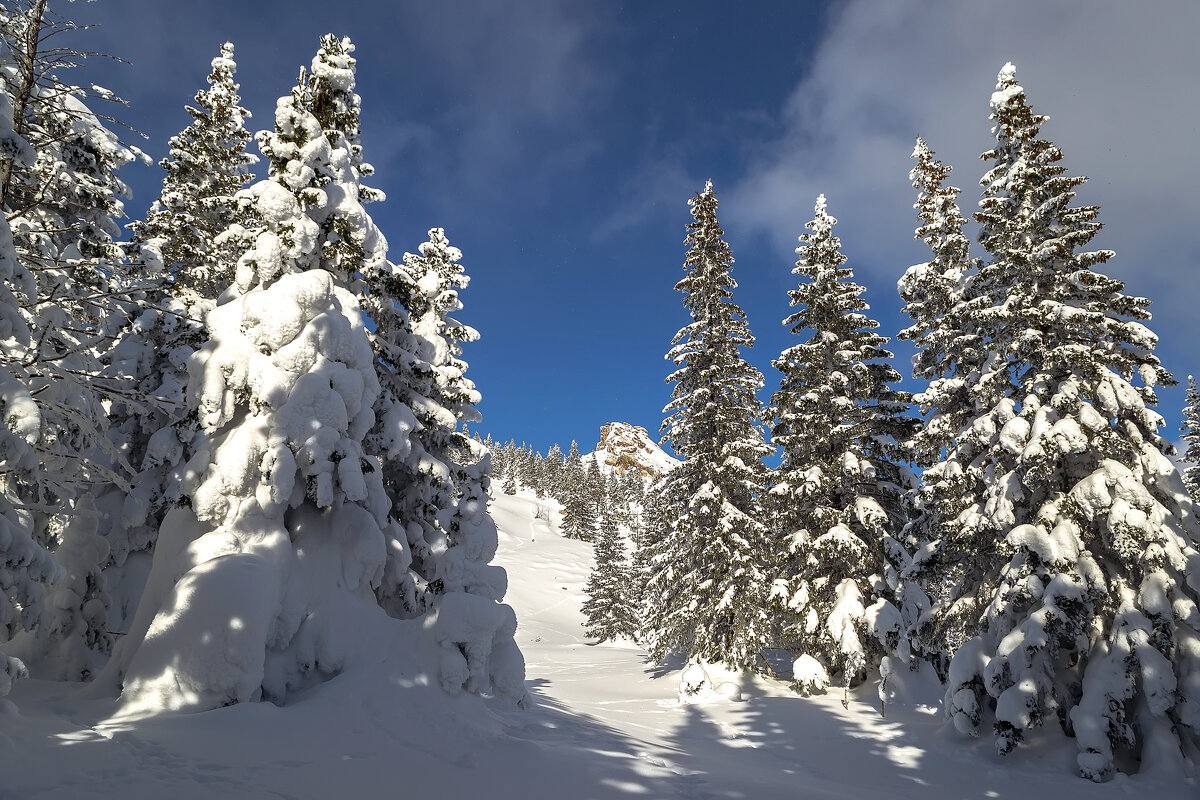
pixel 558 144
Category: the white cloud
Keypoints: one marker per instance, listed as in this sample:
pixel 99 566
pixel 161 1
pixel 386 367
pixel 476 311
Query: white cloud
pixel 1117 79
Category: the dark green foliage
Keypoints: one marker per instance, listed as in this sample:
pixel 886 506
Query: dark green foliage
pixel 610 610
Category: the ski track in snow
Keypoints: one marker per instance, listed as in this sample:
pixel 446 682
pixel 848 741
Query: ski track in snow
pixel 606 723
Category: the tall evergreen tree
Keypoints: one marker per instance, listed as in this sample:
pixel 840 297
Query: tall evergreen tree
pixel 593 480
pixel 1191 435
pixel 579 518
pixel 207 165
pixel 26 565
pixel 177 244
pixel 1070 578
pixel 288 517
pixel 948 354
pixel 610 611
pixel 69 294
pixel 510 482
pixel 711 567
pixel 839 490
pixel 553 465
pixel 470 535
pixel 61 197
pixel 539 476
pixel 432 470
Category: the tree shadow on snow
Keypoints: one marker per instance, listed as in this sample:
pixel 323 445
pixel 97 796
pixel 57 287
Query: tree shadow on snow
pixel 815 747
pixel 661 669
pixel 581 756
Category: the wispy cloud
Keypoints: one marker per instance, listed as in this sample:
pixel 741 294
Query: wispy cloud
pixel 465 103
pixel 1117 79
pixel 505 89
pixel 1118 83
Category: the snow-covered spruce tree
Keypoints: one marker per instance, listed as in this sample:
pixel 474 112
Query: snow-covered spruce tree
pixel 553 466
pixel 178 244
pixel 527 473
pixel 839 492
pixel 574 462
pixel 610 611
pixel 711 567
pixel 579 518
pixel 539 476
pixel 419 347
pixel 615 503
pixel 287 523
pixel 26 567
pixel 593 480
pixel 948 355
pixel 634 490
pixel 579 511
pixel 509 486
pixel 1080 599
pixel 633 486
pixel 207 165
pixel 645 545
pixel 499 456
pixel 469 536
pixel 948 348
pixel 1191 435
pixel 60 194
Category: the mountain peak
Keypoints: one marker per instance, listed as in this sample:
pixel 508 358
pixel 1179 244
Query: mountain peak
pixel 623 446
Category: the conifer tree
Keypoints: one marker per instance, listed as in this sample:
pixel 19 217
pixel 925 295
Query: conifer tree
pixel 948 354
pixel 1072 575
pixel 579 518
pixel 594 484
pixel 527 472
pixel 499 461
pixel 207 165
pixel 60 195
pixel 420 367
pixel 553 466
pixel 610 611
pixel 645 545
pixel 932 290
pixel 574 459
pixel 614 503
pixel 538 473
pixel 26 565
pixel 68 292
pixel 711 567
pixel 288 517
pixel 177 245
pixel 1191 435
pixel 839 489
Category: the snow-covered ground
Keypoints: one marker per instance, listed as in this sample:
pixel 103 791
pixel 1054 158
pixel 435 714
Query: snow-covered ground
pixel 607 723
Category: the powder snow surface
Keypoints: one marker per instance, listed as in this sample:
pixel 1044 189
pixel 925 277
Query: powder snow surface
pixel 606 723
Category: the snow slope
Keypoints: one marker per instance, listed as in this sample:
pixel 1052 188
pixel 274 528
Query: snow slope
pixel 606 724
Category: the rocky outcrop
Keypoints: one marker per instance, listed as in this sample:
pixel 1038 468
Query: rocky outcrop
pixel 623 446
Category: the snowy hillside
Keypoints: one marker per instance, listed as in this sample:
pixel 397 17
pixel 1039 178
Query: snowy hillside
pixel 605 723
